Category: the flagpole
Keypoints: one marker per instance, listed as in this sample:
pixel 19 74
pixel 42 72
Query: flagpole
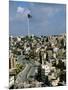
pixel 28 18
pixel 28 26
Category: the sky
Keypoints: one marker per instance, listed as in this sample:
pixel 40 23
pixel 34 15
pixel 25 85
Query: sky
pixel 47 19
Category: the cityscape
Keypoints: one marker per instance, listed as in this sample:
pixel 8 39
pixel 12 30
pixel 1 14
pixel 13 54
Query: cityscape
pixel 37 57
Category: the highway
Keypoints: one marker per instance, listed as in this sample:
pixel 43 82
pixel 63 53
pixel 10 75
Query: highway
pixel 29 70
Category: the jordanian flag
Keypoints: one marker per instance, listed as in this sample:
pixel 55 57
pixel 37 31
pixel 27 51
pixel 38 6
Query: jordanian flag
pixel 29 16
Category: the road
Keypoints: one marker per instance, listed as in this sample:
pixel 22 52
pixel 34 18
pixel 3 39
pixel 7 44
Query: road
pixel 29 71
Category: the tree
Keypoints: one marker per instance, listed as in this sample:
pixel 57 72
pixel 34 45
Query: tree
pixel 19 67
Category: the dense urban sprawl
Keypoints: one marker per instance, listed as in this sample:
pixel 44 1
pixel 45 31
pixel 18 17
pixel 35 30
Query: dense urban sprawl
pixel 37 61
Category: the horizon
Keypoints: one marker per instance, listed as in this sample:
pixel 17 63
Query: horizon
pixel 38 35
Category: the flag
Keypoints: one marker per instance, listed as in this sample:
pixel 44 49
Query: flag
pixel 29 16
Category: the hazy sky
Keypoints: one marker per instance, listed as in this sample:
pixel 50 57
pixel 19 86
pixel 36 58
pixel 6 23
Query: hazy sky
pixel 47 19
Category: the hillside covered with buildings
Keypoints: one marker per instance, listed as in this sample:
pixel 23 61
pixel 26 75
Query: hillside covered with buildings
pixel 37 61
